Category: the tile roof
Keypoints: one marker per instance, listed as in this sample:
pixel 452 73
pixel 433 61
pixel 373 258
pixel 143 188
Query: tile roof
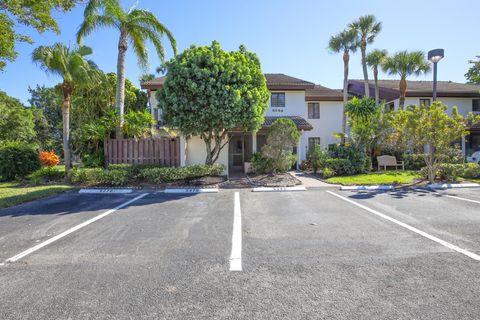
pixel 154 83
pixel 301 123
pixel 321 93
pixel 280 81
pixel 425 88
pixel 275 81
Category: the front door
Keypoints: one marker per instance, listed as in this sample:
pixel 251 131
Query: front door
pixel 235 152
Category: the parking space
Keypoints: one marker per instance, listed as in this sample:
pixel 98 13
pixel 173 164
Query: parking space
pixel 305 254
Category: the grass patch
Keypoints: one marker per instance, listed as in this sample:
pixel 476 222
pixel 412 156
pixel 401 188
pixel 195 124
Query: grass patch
pixel 384 177
pixel 13 193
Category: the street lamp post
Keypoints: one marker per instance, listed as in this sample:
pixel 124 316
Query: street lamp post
pixel 434 56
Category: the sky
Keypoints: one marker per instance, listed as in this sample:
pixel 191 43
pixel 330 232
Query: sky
pixel 290 37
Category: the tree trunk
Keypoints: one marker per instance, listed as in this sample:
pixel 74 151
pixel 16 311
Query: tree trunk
pixel 120 91
pixel 375 77
pixel 346 58
pixel 364 67
pixel 67 93
pixel 403 92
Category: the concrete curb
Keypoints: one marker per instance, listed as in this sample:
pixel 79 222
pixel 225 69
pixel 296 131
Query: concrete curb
pixel 278 189
pixel 453 185
pixel 359 188
pixel 190 190
pixel 105 191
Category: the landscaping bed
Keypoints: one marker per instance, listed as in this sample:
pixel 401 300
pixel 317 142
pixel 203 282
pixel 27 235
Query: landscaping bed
pixel 277 180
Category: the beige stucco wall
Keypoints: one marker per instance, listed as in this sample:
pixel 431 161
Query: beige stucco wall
pixel 195 153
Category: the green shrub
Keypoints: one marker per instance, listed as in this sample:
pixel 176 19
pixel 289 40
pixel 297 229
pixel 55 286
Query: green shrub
pixel 46 174
pixel 414 161
pixel 93 160
pixel 341 167
pixel 119 175
pixel 328 173
pixel 353 154
pixel 447 171
pixel 261 164
pixel 317 156
pixel 471 171
pixel 17 160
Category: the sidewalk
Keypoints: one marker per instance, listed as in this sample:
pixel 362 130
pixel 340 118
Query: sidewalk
pixel 309 181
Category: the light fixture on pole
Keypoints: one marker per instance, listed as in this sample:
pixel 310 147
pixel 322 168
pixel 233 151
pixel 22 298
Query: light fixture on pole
pixel 434 56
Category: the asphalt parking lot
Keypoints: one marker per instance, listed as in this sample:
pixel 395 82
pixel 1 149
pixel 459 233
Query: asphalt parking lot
pixel 317 254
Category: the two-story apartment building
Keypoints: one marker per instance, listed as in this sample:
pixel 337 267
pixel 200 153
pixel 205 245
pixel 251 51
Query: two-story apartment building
pixel 465 96
pixel 316 111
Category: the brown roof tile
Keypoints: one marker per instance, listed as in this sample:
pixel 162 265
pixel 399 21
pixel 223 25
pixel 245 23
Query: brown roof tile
pixel 321 93
pixel 301 123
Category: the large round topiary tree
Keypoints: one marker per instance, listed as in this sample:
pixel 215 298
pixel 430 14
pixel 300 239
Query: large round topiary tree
pixel 209 91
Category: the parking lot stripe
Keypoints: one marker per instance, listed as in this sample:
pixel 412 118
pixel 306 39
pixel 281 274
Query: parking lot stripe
pixel 460 198
pixel 69 231
pixel 236 255
pixel 406 226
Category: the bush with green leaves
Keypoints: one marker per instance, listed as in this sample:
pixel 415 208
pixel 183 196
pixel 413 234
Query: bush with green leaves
pixel 414 161
pixel 340 167
pixel 119 175
pixel 282 137
pixel 46 174
pixel 353 154
pixel 327 173
pixel 17 160
pixel 471 171
pixel 317 157
pixel 261 164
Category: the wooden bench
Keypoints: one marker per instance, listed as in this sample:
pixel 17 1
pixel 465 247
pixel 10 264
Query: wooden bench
pixel 389 161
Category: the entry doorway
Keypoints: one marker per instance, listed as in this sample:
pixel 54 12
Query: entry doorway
pixel 239 151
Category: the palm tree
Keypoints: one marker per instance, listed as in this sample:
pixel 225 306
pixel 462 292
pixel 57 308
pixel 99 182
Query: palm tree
pixel 367 28
pixel 405 64
pixel 346 42
pixel 373 60
pixel 135 27
pixel 71 65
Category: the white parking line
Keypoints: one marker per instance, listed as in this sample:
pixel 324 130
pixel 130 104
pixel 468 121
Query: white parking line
pixel 67 232
pixel 236 255
pixel 460 198
pixel 406 226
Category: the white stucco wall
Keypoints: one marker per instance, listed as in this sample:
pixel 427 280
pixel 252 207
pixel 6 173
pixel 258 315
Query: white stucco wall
pixel 464 104
pixel 294 105
pixel 195 153
pixel 330 122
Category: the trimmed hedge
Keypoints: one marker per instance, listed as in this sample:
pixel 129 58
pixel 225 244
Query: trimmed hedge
pixel 340 167
pixel 451 171
pixel 17 160
pixel 119 175
pixel 46 174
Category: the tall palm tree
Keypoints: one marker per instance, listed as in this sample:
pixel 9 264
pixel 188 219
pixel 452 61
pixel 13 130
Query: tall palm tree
pixel 405 64
pixel 367 28
pixel 373 60
pixel 346 41
pixel 136 27
pixel 72 66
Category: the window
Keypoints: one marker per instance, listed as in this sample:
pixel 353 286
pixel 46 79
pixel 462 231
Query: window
pixel 313 141
pixel 425 102
pixel 476 105
pixel 389 107
pixel 314 110
pixel 277 100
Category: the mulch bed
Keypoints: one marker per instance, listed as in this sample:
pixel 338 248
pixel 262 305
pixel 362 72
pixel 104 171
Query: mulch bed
pixel 277 180
pixel 208 181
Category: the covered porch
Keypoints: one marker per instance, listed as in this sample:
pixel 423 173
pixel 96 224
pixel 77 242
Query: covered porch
pixel 243 145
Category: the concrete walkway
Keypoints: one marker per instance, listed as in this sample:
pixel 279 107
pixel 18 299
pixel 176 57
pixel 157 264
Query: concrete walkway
pixel 310 181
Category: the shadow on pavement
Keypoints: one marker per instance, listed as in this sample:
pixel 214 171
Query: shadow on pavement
pixel 72 203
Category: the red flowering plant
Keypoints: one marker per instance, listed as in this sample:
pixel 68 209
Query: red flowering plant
pixel 49 158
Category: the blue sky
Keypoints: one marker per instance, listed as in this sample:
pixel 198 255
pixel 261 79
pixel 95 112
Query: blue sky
pixel 289 36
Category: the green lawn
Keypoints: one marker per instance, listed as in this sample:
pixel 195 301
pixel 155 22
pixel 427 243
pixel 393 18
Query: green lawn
pixel 12 193
pixel 384 177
